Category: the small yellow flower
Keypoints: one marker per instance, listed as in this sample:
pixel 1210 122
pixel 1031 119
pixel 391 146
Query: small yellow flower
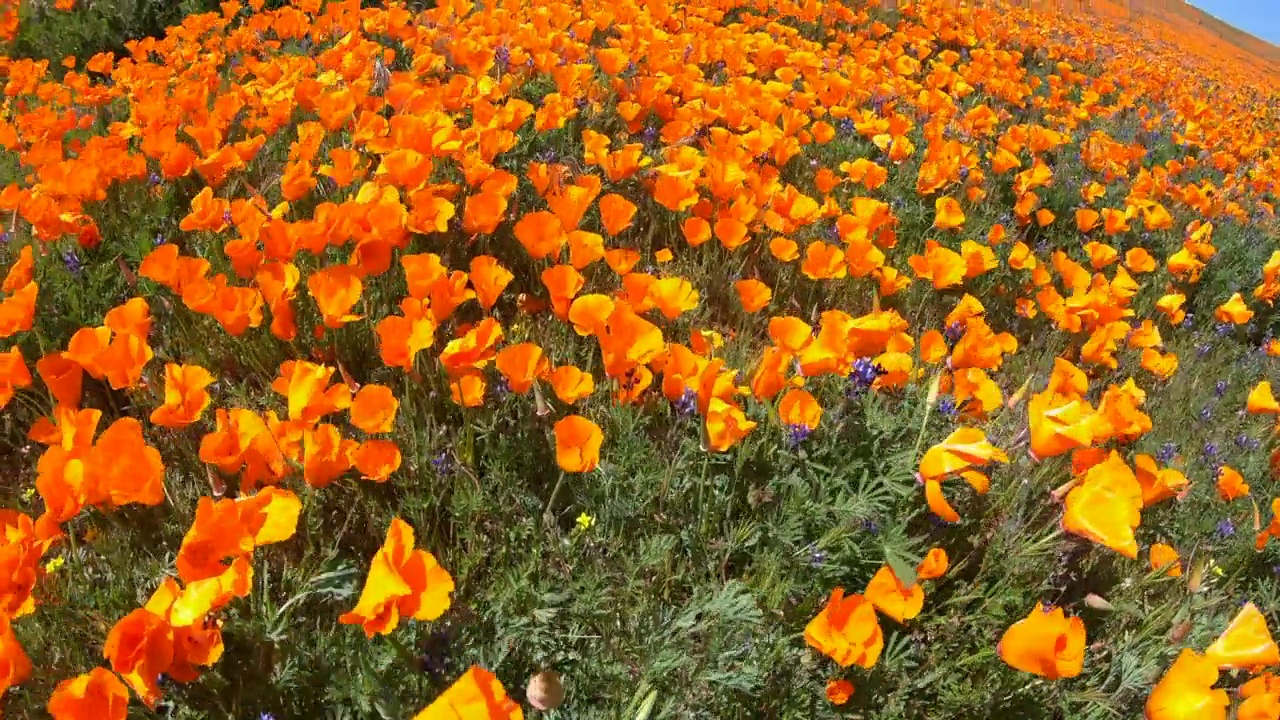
pixel 585 522
pixel 53 565
pixel 28 494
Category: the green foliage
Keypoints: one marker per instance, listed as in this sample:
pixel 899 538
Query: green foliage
pixel 684 591
pixel 94 26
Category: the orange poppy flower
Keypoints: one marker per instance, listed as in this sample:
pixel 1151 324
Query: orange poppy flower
pixel 1259 707
pixel 402 337
pixel 1045 643
pixel 941 266
pixel 197 642
pixel 1231 484
pixel 846 631
pixel 541 233
pixel 578 443
pixel 584 248
pixel 571 384
pixel 673 296
pixel 616 213
pixel 377 459
pixel 1246 643
pixel 207 213
pixel 96 695
pixel 521 365
pixel 564 283
pixel 1260 401
pixel 1158 484
pixel 20 556
pixel 20 273
pixel 185 397
pixel 892 598
pixel 489 279
pixel 310 396
pixel 421 272
pixel 964 449
pixel 230 529
pixel 373 409
pixel 14 374
pixel 1186 691
pixel 1233 311
pixel 1059 424
pixel 753 294
pixel 839 691
pixel 790 333
pixel 784 249
pixel 1164 556
pixel 934 565
pixel 1087 219
pixel 621 260
pixel 15 667
pixel 1105 506
pixel 326 455
pixel 628 341
pixel 477 695
pixel 948 215
pixel 696 231
pixel 125 469
pixel 336 289
pixel 1162 365
pixel 799 408
pixel 483 212
pixel 1139 260
pixel 402 581
pixel 18 311
pixel 725 424
pixel 140 647
pixel 468 390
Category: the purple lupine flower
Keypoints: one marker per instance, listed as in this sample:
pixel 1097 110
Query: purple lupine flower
pixel 955 331
pixel 796 434
pixel 871 526
pixel 1220 388
pixel 1210 450
pixel 158 240
pixel 1206 414
pixel 1226 528
pixel 1166 453
pixel 1244 442
pixel 687 404
pixel 1203 349
pixel 817 558
pixel 72 262
pixel 947 406
pixel 863 374
pixel 443 464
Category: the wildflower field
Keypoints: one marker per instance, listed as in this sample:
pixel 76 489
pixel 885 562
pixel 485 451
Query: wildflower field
pixel 629 360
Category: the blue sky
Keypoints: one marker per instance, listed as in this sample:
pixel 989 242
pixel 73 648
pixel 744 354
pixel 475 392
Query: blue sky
pixel 1260 18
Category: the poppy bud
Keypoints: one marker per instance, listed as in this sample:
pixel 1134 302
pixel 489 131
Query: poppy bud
pixel 934 386
pixel 540 403
pixel 545 691
pixel 1097 602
